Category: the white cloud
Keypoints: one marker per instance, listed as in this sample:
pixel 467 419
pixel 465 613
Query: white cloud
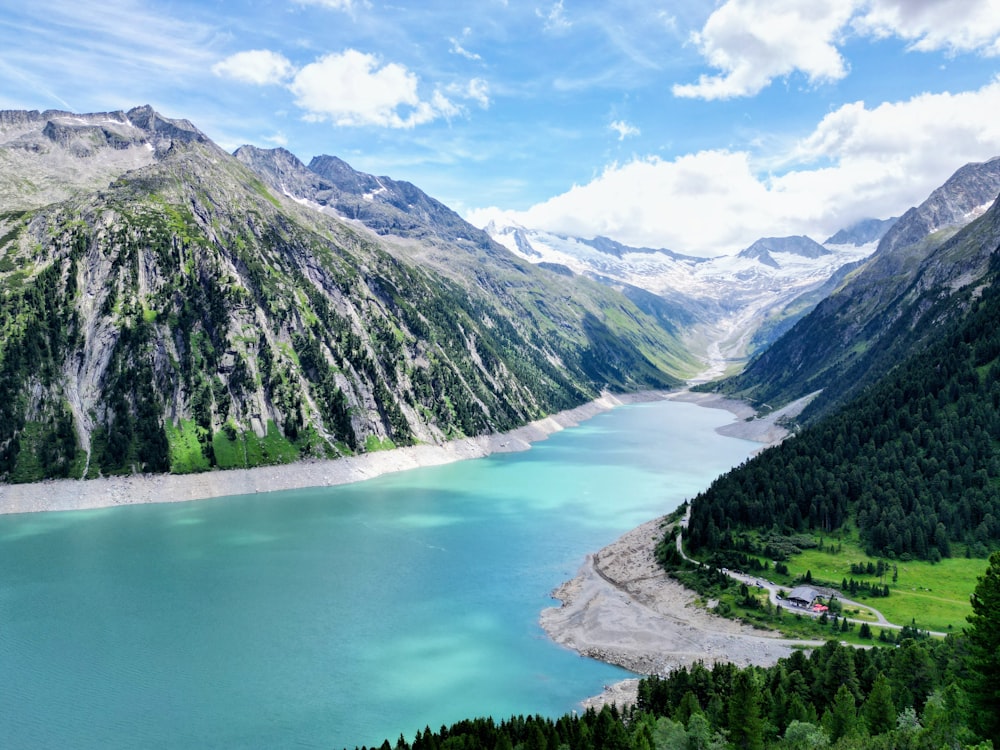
pixel 752 42
pixel 555 17
pixel 350 88
pixel 458 49
pixel 856 163
pixel 477 90
pixel 755 41
pixel 258 66
pixel 335 4
pixel 624 129
pixel 353 88
pixel 956 26
pixel 701 203
pixel 668 20
pixel 890 157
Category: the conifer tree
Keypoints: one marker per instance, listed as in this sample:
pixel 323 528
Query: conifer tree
pixel 842 718
pixel 984 651
pixel 879 711
pixel 746 728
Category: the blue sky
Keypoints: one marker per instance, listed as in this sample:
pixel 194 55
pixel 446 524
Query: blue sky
pixel 668 124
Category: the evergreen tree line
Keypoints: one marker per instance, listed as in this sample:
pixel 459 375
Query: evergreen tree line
pixel 914 460
pixel 906 697
pixel 868 588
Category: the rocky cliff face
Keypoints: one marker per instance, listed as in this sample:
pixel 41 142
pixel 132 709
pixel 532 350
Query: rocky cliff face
pixel 168 309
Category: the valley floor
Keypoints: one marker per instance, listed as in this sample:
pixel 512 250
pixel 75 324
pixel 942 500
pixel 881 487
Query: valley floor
pixel 623 609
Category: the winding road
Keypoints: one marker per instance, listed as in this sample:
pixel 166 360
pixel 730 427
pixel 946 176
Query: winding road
pixel 773 589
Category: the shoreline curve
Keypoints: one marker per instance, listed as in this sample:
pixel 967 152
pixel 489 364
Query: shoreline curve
pixel 135 489
pixel 623 609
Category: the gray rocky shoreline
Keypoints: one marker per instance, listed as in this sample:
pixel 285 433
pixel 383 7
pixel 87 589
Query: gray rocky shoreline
pixel 78 494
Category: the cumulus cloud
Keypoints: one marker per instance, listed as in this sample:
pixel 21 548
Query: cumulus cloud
pixel 623 129
pixel 752 42
pixel 352 88
pixel 257 66
pixel 891 156
pixel 956 26
pixel 701 203
pixel 858 162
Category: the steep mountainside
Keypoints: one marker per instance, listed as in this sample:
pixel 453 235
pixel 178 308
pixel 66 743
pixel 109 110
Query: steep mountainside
pixel 883 311
pixel 912 463
pixel 416 228
pixel 186 316
pixel 382 204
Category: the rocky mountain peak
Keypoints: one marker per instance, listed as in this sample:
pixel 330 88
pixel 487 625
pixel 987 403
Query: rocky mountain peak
pixel 862 232
pixel 48 156
pixel 162 131
pixel 801 246
pixel 283 171
pixel 966 195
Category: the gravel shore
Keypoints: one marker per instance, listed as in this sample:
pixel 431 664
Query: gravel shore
pixel 622 608
pixel 77 494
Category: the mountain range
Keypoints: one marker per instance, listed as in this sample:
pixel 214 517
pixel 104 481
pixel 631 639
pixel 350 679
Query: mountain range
pixel 166 307
pixel 731 306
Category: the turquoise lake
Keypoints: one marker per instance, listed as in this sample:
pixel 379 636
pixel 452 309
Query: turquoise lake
pixel 332 617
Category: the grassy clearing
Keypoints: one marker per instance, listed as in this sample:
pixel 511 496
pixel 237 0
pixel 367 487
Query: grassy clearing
pixel 229 453
pixel 937 595
pixel 373 443
pixel 751 606
pixel 934 596
pixel 186 455
pixel 273 448
pixel 244 449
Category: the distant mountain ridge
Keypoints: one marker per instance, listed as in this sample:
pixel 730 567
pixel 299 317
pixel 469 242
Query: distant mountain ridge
pixel 382 204
pixel 733 304
pixel 46 156
pixel 802 246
